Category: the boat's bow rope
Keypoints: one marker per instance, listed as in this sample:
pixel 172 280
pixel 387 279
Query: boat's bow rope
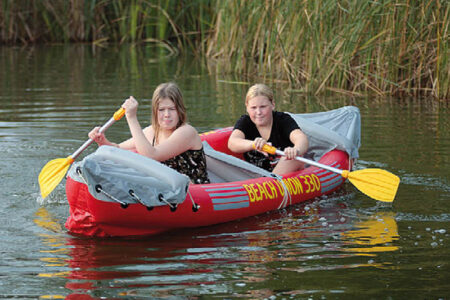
pixel 286 196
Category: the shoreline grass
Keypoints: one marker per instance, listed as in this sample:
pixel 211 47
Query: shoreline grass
pixel 384 48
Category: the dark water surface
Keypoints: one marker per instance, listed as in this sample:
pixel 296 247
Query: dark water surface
pixel 344 246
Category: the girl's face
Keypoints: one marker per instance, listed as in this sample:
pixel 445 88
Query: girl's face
pixel 260 109
pixel 167 114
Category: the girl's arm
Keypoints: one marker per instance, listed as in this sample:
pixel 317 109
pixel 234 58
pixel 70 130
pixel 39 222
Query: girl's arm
pixel 101 140
pixel 238 143
pixel 300 141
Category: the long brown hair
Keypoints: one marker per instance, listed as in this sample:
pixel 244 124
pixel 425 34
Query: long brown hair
pixel 169 90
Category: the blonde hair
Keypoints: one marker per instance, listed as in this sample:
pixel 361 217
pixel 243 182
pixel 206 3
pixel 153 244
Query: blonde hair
pixel 259 89
pixel 169 90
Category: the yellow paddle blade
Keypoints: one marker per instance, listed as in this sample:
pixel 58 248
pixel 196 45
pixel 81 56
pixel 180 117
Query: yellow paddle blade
pixel 376 183
pixel 52 174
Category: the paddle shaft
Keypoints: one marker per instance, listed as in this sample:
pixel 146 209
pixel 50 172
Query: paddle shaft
pixel 117 116
pixel 312 162
pixel 272 150
pixel 53 172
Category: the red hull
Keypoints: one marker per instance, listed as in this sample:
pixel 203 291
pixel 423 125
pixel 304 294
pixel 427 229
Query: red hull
pixel 219 202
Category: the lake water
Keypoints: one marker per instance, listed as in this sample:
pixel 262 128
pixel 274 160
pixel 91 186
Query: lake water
pixel 344 246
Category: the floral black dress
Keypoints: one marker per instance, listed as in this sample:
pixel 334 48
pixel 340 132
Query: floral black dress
pixel 191 163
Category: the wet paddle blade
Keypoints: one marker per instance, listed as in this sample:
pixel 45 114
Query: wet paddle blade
pixel 52 174
pixel 376 183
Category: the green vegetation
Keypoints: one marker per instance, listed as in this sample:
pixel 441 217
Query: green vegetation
pixel 385 47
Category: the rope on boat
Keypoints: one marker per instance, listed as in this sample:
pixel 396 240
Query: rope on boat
pixel 287 196
pixel 98 189
pixel 195 206
pixel 78 169
pixel 173 207
pixel 138 199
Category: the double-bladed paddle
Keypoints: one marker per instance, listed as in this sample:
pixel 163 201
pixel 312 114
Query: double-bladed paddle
pixel 53 172
pixel 376 183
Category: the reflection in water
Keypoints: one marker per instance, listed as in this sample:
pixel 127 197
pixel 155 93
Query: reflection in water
pixel 55 250
pixel 375 234
pixel 55 245
pixel 45 220
pixel 246 258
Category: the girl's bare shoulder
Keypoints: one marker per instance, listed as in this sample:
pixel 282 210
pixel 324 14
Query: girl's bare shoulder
pixel 187 129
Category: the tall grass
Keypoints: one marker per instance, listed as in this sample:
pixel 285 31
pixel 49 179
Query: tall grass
pixel 384 47
pixel 397 47
pixel 173 24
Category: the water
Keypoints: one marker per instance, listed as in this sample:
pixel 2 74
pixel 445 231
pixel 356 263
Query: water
pixel 343 246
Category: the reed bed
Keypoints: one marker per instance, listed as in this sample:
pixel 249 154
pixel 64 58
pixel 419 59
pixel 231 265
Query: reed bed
pixel 175 25
pixel 384 47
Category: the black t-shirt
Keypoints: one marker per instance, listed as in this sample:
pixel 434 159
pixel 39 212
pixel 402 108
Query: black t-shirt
pixel 282 126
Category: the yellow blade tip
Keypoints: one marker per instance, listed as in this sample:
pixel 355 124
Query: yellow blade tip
pixel 378 184
pixel 52 173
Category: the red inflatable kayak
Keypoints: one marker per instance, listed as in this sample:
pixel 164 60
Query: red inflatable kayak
pixel 204 204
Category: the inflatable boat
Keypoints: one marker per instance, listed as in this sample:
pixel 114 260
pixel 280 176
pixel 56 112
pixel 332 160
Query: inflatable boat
pixel 114 192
